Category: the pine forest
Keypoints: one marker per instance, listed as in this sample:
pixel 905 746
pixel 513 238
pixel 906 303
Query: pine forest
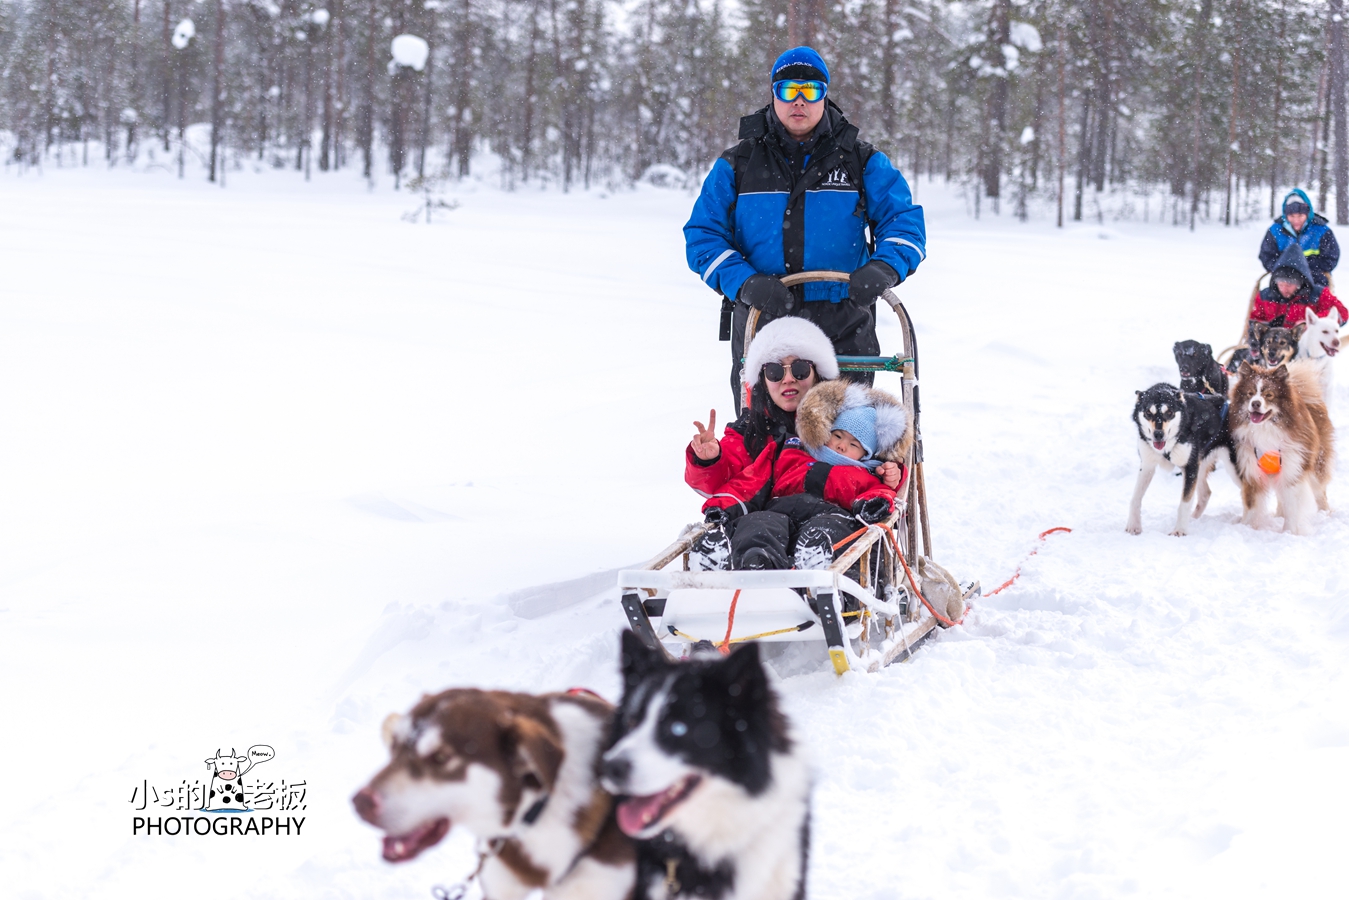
pixel 1179 110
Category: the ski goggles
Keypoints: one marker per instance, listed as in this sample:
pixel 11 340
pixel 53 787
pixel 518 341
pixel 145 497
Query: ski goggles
pixel 810 91
pixel 801 369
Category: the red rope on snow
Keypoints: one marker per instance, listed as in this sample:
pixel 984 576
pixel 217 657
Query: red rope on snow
pixel 1008 583
pixel 725 645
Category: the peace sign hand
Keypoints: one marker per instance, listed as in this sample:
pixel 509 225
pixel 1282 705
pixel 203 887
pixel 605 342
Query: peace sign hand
pixel 705 444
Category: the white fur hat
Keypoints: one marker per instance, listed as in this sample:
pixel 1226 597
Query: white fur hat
pixel 790 336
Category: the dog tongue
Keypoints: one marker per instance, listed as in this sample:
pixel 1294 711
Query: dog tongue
pixel 1330 351
pixel 1159 444
pixel 636 813
pixel 400 848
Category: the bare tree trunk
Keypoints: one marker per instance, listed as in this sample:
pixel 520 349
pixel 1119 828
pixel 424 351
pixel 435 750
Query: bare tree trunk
pixel 399 114
pixel 996 138
pixel 425 130
pixel 1063 121
pixel 1278 103
pixel 888 65
pixel 1205 14
pixel 463 118
pixel 182 111
pixel 1337 111
pixel 1323 175
pixel 1320 105
pixel 366 121
pixel 135 104
pixel 326 140
pixel 1083 155
pixel 109 116
pixel 340 115
pixel 169 69
pixel 1232 117
pixel 217 85
pixel 1037 125
pixel 49 98
pixel 531 63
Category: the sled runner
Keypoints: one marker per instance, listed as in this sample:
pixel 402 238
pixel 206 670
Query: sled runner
pixel 868 608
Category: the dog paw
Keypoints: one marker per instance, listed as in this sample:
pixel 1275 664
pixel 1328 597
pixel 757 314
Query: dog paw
pixel 1134 528
pixel 1179 533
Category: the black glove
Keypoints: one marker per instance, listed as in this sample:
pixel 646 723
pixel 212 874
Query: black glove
pixel 871 510
pixel 767 294
pixel 721 517
pixel 870 281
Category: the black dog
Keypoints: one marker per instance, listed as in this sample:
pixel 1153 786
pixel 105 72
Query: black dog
pixel 709 782
pixel 1199 371
pixel 1179 430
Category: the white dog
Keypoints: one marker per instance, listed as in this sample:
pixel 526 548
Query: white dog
pixel 1319 344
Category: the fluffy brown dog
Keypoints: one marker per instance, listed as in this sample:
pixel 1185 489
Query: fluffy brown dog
pixel 518 771
pixel 1284 443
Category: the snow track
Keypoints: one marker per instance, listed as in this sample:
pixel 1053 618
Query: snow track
pixel 266 479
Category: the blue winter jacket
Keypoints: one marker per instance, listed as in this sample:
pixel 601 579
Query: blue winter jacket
pixel 1316 240
pixel 796 207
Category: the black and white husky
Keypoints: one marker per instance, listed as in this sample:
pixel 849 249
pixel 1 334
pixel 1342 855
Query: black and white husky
pixel 709 781
pixel 1179 431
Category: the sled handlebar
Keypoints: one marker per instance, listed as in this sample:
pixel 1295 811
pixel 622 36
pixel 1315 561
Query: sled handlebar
pixel 894 363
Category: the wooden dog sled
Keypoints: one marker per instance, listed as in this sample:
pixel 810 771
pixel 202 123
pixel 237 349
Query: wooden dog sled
pixel 865 622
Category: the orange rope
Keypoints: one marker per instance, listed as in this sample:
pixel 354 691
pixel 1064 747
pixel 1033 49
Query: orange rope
pixel 857 533
pixel 1008 583
pixel 895 542
pixel 725 645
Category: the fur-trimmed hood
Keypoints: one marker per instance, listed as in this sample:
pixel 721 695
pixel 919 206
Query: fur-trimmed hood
pixel 817 413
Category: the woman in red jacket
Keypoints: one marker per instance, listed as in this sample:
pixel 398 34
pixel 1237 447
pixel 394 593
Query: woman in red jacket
pixel 754 526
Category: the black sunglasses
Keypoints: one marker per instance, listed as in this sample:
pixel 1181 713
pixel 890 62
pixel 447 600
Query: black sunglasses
pixel 801 370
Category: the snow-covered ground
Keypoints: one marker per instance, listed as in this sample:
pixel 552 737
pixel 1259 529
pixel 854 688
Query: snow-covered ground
pixel 275 463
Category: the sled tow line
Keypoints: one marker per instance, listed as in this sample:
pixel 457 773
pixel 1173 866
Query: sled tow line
pixel 1017 574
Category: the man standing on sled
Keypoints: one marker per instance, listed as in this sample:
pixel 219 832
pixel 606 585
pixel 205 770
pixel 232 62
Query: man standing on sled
pixel 801 192
pixel 1301 225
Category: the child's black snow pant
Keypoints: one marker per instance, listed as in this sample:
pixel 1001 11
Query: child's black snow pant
pixel 799 531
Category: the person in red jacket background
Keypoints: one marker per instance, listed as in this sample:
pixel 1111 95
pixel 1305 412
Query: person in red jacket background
pixel 754 523
pixel 1292 291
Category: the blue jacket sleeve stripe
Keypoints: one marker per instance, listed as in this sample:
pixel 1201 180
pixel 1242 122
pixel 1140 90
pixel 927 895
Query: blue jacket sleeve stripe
pixel 896 221
pixel 904 243
pixel 709 234
pixel 716 262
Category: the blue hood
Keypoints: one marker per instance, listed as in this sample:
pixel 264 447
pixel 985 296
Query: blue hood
pixel 1300 194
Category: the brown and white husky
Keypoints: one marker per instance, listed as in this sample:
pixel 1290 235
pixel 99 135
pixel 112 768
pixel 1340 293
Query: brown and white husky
pixel 1284 443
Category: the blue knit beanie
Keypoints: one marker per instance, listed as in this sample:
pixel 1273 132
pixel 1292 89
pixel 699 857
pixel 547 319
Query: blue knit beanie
pixel 800 64
pixel 860 422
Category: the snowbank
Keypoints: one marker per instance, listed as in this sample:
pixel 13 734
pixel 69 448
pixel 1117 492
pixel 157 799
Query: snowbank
pixel 277 464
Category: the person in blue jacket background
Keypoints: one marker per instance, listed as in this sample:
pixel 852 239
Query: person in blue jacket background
pixel 1300 223
pixel 801 192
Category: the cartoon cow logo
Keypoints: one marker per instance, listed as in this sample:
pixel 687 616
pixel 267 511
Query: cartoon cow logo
pixel 226 791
